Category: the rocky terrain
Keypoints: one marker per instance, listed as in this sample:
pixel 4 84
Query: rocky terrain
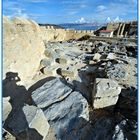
pixel 80 89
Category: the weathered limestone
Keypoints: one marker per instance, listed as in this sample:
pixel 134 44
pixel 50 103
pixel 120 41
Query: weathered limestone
pixel 97 56
pixel 23 47
pixel 106 93
pixel 28 123
pixel 65 73
pixel 61 60
pixel 111 56
pixel 48 54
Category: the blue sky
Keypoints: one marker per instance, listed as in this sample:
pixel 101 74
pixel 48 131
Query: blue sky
pixel 71 11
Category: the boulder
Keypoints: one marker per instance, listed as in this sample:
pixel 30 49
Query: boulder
pixel 111 56
pixel 97 56
pixel 28 123
pixel 66 110
pixel 61 61
pixel 105 93
pixel 6 108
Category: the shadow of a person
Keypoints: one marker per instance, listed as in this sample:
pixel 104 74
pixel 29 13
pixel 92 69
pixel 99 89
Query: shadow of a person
pixel 19 97
pixel 18 94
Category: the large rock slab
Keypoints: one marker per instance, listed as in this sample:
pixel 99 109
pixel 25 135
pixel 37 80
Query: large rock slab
pixel 65 109
pixel 23 47
pixel 105 93
pixel 28 123
pixel 51 92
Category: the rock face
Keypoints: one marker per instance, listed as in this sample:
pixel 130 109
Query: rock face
pixel 23 47
pixel 106 93
pixel 65 109
pixel 28 123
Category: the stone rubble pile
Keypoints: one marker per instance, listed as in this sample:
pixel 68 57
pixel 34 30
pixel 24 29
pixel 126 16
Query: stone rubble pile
pixel 87 93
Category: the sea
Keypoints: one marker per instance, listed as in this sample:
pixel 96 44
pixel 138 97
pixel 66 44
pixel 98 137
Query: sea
pixel 79 27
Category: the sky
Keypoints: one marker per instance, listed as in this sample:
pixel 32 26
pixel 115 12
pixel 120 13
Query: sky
pixel 71 11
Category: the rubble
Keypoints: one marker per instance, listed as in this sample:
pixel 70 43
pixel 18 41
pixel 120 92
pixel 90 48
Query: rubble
pixel 63 111
pixel 80 89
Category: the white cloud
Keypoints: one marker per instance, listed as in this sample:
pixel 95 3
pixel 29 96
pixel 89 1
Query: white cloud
pixel 72 12
pixel 132 1
pixel 117 19
pixel 81 20
pixel 36 1
pixel 73 7
pixel 101 8
pixel 108 19
pixel 21 14
pixel 83 5
pixel 17 12
pixel 113 10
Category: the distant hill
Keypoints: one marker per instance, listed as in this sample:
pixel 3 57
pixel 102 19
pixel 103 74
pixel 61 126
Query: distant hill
pixel 81 26
pixel 54 25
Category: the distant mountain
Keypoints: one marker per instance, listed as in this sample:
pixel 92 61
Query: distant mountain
pixel 81 26
pixel 76 26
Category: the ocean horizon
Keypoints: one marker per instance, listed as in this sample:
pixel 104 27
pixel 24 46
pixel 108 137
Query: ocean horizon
pixel 80 27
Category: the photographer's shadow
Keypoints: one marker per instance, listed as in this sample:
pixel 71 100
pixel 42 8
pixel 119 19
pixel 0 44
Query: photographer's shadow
pixel 16 122
pixel 18 94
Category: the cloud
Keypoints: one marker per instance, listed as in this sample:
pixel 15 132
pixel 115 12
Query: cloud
pixel 128 1
pixel 14 9
pixel 123 10
pixel 73 6
pixel 20 13
pixel 36 1
pixel 72 12
pixel 72 2
pixel 83 5
pixel 117 19
pixel 108 19
pixel 101 8
pixel 81 20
